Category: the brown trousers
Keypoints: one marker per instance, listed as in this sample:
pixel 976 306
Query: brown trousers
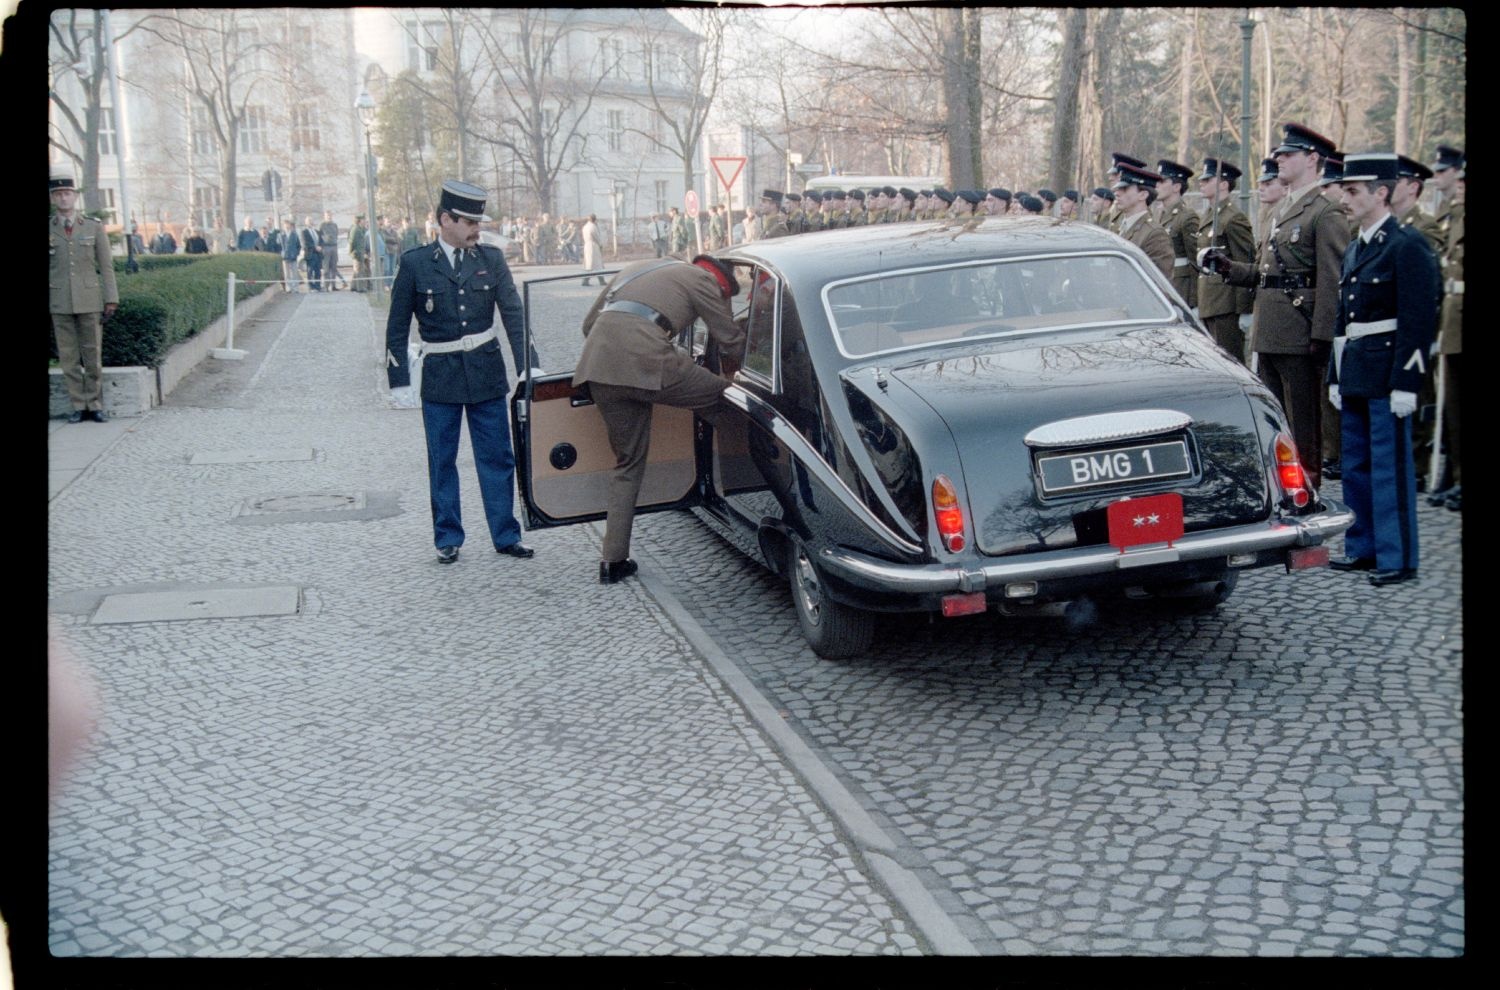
pixel 1297 381
pixel 627 417
pixel 1227 334
pixel 80 355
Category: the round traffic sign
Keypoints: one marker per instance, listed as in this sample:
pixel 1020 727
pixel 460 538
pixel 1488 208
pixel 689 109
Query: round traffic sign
pixel 690 203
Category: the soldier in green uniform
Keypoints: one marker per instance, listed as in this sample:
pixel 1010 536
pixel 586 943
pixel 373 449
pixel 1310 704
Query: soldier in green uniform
pixel 716 229
pixel 1067 205
pixel 1220 306
pixel 82 297
pixel 1101 203
pixel 359 250
pixel 1296 276
pixel 772 220
pixel 1136 224
pixel 1181 222
pixel 835 216
pixel 682 234
pixel 859 216
pixel 812 204
pixel 794 216
pixel 1411 180
pixel 1448 175
pixel 1268 193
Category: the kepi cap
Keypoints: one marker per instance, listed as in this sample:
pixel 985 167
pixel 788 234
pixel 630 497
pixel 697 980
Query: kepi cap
pixel 1373 166
pixel 1449 157
pixel 462 200
pixel 1333 169
pixel 1410 168
pixel 1176 171
pixel 1268 170
pixel 60 179
pixel 1132 175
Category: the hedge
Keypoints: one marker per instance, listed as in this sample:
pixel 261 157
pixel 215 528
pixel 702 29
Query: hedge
pixel 169 301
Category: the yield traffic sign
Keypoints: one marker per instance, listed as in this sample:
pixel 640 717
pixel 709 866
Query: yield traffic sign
pixel 731 163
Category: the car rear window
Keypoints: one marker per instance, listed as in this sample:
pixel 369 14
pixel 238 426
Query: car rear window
pixel 917 308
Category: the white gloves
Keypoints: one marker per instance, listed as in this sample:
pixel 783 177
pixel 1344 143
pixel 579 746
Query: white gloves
pixel 532 373
pixel 1334 398
pixel 1403 404
pixel 1245 322
pixel 403 397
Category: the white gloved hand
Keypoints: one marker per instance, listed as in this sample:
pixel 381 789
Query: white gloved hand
pixel 1403 404
pixel 1334 398
pixel 1245 322
pixel 403 397
pixel 532 373
pixel 1432 349
pixel 1199 259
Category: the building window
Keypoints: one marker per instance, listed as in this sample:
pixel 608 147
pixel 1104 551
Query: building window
pixel 661 195
pixel 616 130
pixel 305 133
pixel 205 139
pixel 249 60
pixel 658 135
pixel 253 131
pixel 106 198
pixel 205 205
pixel 423 44
pixel 612 59
pixel 107 143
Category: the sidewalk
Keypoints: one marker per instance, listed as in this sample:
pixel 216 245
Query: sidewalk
pixel 315 740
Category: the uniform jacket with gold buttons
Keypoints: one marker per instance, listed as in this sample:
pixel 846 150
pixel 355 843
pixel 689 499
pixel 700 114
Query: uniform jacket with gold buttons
pixel 1307 243
pixel 1146 234
pixel 1181 224
pixel 1451 322
pixel 81 276
pixel 1232 234
pixel 1393 279
pixel 449 305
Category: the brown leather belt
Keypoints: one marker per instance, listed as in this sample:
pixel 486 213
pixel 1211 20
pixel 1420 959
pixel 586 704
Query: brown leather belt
pixel 641 310
pixel 1285 281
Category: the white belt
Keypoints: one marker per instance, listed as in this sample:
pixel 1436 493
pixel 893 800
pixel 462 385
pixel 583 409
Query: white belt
pixel 1179 262
pixel 468 343
pixel 1365 329
pixel 1455 287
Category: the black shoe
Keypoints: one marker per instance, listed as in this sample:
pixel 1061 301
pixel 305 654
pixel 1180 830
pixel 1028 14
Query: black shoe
pixel 100 416
pixel 1352 564
pixel 1440 496
pixel 447 555
pixel 76 416
pixel 1382 578
pixel 1455 501
pixel 520 550
pixel 1332 470
pixel 611 571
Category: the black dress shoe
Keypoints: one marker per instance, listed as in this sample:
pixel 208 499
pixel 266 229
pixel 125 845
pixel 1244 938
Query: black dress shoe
pixel 1381 578
pixel 100 416
pixel 1455 500
pixel 76 416
pixel 1440 496
pixel 1332 470
pixel 1352 564
pixel 611 571
pixel 520 550
pixel 447 555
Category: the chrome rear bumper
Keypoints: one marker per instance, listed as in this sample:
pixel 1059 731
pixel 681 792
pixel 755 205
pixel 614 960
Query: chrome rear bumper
pixel 887 576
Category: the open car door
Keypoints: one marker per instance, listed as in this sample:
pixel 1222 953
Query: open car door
pixel 563 459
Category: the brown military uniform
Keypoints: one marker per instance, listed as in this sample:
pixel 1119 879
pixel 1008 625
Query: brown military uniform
pixel 1147 235
pixel 1296 275
pixel 630 364
pixel 1450 333
pixel 1425 225
pixel 80 283
pixel 775 226
pixel 1181 224
pixel 1219 303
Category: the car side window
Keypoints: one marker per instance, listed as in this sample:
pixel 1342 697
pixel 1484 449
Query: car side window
pixel 760 328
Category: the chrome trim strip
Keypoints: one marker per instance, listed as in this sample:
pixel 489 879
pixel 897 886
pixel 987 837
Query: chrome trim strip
pixel 1107 427
pixel 913 579
pixel 813 462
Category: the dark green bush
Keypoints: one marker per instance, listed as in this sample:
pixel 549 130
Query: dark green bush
pixel 164 304
pixel 153 262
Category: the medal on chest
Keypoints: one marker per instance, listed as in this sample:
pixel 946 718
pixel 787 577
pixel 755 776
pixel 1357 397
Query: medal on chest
pixel 429 300
pixel 1296 234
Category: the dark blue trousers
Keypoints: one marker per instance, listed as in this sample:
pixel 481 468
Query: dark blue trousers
pixel 489 435
pixel 1380 484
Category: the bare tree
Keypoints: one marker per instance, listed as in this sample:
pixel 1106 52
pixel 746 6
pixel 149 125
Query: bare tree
pixel 1073 24
pixel 455 80
pixel 79 49
pixel 964 103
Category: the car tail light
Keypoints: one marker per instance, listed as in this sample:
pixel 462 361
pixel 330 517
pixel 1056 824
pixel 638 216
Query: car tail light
pixel 950 518
pixel 1289 472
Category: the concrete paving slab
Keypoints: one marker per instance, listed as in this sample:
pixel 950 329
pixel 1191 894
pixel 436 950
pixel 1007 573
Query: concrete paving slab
pixel 199 603
pixel 252 455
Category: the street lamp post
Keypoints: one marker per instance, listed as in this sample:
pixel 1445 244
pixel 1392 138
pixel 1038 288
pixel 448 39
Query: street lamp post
pixel 365 105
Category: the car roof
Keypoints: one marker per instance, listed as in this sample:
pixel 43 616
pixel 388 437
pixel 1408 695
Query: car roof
pixel 827 255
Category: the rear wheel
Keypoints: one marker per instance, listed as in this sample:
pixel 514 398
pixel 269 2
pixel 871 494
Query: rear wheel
pixel 834 630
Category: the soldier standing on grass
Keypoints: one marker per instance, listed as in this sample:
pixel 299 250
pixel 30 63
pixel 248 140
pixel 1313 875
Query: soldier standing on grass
pixel 81 284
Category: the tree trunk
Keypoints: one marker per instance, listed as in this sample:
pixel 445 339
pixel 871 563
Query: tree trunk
pixel 1104 39
pixel 961 95
pixel 1185 92
pixel 1403 89
pixel 1073 23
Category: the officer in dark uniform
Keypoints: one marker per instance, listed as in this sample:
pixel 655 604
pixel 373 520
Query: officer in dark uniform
pixel 1181 223
pixel 1220 305
pixel 452 287
pixel 1297 295
pixel 1387 316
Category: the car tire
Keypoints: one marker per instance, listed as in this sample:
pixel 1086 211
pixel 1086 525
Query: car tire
pixel 834 630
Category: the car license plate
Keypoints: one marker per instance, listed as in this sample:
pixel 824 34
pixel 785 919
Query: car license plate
pixel 1090 469
pixel 1149 519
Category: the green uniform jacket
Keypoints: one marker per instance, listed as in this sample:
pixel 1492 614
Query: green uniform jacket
pixel 1215 296
pixel 1181 224
pixel 1150 237
pixel 776 226
pixel 359 241
pixel 1451 322
pixel 80 276
pixel 1308 242
pixel 1425 225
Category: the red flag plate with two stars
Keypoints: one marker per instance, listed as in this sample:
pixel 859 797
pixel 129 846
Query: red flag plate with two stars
pixel 1134 522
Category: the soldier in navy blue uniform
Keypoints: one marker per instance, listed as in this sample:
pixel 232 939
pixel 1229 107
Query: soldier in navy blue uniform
pixel 1387 316
pixel 453 286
